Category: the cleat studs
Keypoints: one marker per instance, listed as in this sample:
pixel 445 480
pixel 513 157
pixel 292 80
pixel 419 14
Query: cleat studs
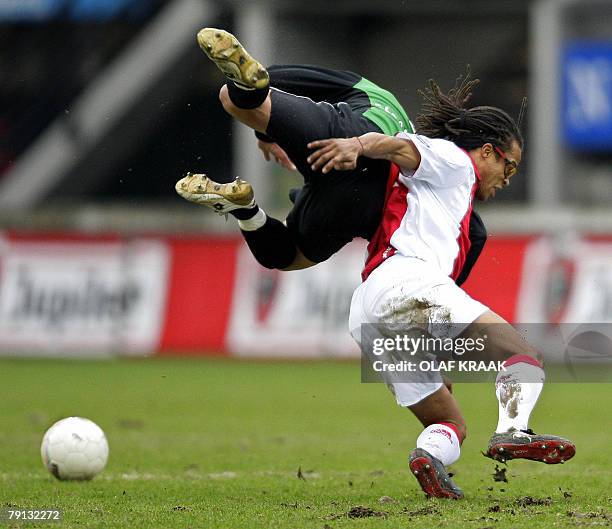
pixel 561 460
pixel 427 467
pixel 500 449
pixel 416 472
pixel 561 447
pixel 543 447
pixel 200 189
pixel 544 460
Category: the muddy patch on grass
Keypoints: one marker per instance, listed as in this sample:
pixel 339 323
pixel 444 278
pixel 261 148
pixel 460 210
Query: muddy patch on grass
pixel 530 501
pixel 425 511
pixel 566 493
pixel 500 474
pixel 130 424
pixel 359 511
pixel 305 474
pixel 365 512
pixel 590 519
pixel 498 509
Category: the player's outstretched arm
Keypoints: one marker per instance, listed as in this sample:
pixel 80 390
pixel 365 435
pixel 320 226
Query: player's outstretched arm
pixel 341 154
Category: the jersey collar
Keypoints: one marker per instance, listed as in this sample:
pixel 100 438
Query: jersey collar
pixel 476 171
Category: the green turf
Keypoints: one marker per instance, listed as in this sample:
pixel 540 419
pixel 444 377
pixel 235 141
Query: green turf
pixel 218 444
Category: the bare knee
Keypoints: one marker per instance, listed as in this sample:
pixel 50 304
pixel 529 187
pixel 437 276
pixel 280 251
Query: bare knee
pixel 255 118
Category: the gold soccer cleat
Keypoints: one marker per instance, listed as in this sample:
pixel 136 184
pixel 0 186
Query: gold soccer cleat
pixel 222 198
pixel 232 59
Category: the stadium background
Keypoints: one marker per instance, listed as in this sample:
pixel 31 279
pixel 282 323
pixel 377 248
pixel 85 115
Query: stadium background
pixel 125 299
pixel 106 104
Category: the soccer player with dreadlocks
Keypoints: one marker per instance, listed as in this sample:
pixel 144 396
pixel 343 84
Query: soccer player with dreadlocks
pixel 288 107
pixel 459 154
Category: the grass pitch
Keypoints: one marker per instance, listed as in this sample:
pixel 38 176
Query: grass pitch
pixel 227 444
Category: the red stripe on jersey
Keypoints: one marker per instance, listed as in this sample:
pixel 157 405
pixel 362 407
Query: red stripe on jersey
pixel 394 210
pixel 463 239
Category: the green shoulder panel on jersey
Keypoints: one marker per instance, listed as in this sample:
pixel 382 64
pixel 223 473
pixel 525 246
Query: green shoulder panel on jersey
pixel 386 110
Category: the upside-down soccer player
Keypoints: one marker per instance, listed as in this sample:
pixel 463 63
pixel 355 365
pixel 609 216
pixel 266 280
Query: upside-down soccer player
pixel 413 259
pixel 288 107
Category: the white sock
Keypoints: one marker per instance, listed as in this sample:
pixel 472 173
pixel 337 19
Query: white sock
pixel 517 389
pixel 440 441
pixel 255 222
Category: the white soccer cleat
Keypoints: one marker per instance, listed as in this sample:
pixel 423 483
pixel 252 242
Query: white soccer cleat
pixel 222 198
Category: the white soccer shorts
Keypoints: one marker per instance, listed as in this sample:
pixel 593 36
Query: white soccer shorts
pixel 405 290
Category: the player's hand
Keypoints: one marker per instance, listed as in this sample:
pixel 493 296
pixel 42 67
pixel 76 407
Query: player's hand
pixel 273 150
pixel 338 153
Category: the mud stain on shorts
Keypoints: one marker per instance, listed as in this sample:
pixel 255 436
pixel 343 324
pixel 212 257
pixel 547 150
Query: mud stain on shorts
pixel 419 311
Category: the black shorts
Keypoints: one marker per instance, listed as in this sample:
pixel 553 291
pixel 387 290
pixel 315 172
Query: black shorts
pixel 311 103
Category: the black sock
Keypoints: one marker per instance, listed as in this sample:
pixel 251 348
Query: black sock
pixel 272 244
pixel 245 213
pixel 263 137
pixel 246 98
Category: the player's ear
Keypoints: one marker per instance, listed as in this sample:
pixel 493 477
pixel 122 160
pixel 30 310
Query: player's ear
pixel 487 150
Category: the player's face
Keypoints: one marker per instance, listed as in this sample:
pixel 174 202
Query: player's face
pixel 497 168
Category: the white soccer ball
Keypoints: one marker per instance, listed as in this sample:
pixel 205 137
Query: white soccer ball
pixel 74 448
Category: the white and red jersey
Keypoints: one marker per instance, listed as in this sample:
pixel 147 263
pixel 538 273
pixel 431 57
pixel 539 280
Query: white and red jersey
pixel 427 211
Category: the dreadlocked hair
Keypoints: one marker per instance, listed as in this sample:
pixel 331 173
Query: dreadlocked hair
pixel 445 116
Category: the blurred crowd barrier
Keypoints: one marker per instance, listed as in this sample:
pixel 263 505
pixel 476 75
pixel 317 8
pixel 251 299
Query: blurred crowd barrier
pixel 91 296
